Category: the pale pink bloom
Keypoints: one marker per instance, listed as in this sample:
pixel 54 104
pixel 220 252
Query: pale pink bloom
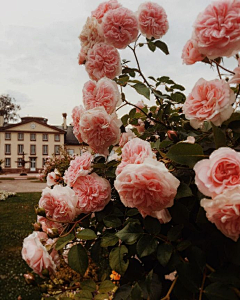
pixel 120 27
pixel 140 104
pixel 47 225
pixel 171 276
pixel 191 54
pixel 190 139
pixel 148 186
pixel 104 7
pixel 93 193
pixel 76 114
pixel 152 20
pixel 163 215
pixel 217 29
pixel 52 178
pixel 90 34
pixel 37 256
pixel 141 127
pixel 126 137
pixel 209 101
pixel 103 93
pixel 224 212
pixel 135 152
pixel 236 78
pixel 113 156
pixel 79 166
pixel 59 203
pixel 218 173
pixel 103 61
pixel 99 129
pixel 82 56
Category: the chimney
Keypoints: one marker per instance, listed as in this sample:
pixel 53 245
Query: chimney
pixel 64 121
pixel 1 117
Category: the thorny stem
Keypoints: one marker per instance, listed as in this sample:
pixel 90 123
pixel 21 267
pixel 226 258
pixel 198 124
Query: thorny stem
pixel 203 282
pixel 167 297
pixel 220 66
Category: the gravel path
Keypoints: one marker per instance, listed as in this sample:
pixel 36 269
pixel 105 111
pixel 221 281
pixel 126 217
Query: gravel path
pixel 21 186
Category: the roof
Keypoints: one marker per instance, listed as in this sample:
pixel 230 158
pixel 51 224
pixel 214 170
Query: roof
pixel 70 138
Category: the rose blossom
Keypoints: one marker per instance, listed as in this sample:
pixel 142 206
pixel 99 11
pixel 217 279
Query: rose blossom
pixel 148 186
pixel 224 212
pixel 103 60
pixel 103 93
pixel 209 101
pixel 104 7
pixel 135 152
pixel 126 137
pixel 120 27
pixel 48 225
pixel 163 215
pixel 76 114
pixel 82 56
pixel 236 77
pixel 221 171
pixel 79 166
pixel 190 54
pixel 37 256
pixel 59 203
pixel 93 193
pixel 99 129
pixel 217 29
pixel 52 178
pixel 152 20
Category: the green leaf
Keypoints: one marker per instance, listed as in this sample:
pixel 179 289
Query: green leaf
pixel 164 253
pixel 178 97
pixel 219 136
pixel 84 295
pixel 88 285
pixel 152 225
pixel 124 119
pixel 146 245
pixel 109 239
pixel 106 286
pixel 87 234
pixel 78 259
pixel 235 126
pixel 123 292
pixel 218 291
pixel 178 87
pixel 101 297
pixel 132 113
pixel 151 46
pixel 62 241
pixel 183 191
pixel 112 221
pixel 174 233
pixel 226 276
pixel 163 79
pixel 116 259
pixel 161 45
pixel 136 293
pixel 189 276
pixel 142 90
pixel 130 233
pixel 186 154
pixel 132 212
pixel 183 245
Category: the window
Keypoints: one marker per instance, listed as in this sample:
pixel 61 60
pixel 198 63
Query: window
pixel 20 136
pixel 7 136
pixel 7 149
pixel 44 161
pixel 7 162
pixel 20 149
pixel 45 149
pixel 57 137
pixel 56 149
pixel 32 136
pixel 32 149
pixel 70 151
pixel 45 137
pixel 19 162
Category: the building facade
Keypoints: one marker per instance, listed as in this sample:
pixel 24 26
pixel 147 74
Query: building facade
pixel 34 140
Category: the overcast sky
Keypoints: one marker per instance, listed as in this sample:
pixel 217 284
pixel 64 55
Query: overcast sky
pixel 39 47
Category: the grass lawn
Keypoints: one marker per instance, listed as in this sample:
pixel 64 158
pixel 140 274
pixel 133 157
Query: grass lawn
pixel 16 218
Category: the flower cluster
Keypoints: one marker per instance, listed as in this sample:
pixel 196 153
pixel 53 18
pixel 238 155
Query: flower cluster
pixel 4 195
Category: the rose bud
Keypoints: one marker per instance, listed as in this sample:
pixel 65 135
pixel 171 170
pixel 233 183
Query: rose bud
pixel 45 273
pixel 29 278
pixel 172 135
pixel 40 211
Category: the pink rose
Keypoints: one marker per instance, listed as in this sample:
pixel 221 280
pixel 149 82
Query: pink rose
pixel 209 101
pixel 224 212
pixel 190 54
pixel 218 173
pixel 76 114
pixel 120 27
pixel 93 193
pixel 79 166
pixel 37 256
pixel 163 215
pixel 59 203
pixel 135 152
pixel 103 60
pixel 104 7
pixel 217 29
pixel 103 93
pixel 52 178
pixel 82 56
pixel 152 20
pixel 149 186
pixel 90 34
pixel 99 129
pixel 48 226
pixel 236 78
pixel 126 137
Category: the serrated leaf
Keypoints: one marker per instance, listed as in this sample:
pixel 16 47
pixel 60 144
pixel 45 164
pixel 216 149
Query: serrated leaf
pixel 117 261
pixel 218 291
pixel 123 292
pixel 189 276
pixel 178 97
pixel 62 241
pixel 219 136
pixel 78 259
pixel 112 221
pixel 178 87
pixel 164 253
pixel 130 233
pixel 87 234
pixel 109 239
pixel 151 46
pixel 88 285
pixel 142 89
pixel 146 245
pixel 106 286
pixel 186 154
pixel 161 45
pixel 183 245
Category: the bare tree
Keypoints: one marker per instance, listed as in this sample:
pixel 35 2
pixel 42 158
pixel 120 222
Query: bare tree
pixel 10 108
